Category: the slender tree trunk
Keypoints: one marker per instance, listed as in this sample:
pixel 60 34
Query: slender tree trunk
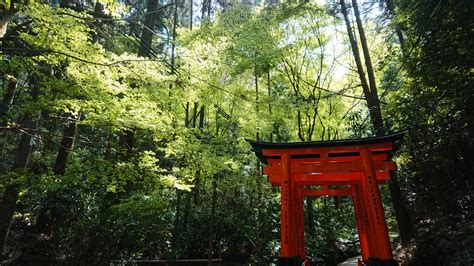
pixel 269 87
pixel 147 33
pixel 128 136
pixel 187 209
pixel 10 197
pixel 177 229
pixel 195 114
pixel 360 68
pixel 337 202
pixel 197 181
pixel 66 146
pixel 201 117
pixel 257 105
pixel 99 12
pixel 213 221
pixel 127 140
pixel 191 5
pixel 7 99
pixel 44 221
pixel 401 212
pixel 378 122
pixel 373 103
pixel 300 126
pixel 194 194
pixel 11 193
pixel 310 215
pixel 391 6
pixel 197 189
pixel 173 37
pixel 186 116
pixel 206 9
pixel 6 17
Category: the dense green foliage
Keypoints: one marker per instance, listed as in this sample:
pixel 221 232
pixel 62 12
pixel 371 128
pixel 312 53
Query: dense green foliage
pixel 436 100
pixel 124 147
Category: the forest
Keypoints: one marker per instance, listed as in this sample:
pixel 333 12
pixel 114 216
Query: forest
pixel 123 126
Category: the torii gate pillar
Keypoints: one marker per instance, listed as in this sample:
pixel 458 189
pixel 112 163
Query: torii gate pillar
pixel 355 167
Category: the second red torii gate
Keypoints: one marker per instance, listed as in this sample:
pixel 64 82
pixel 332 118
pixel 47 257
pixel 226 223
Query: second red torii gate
pixel 356 166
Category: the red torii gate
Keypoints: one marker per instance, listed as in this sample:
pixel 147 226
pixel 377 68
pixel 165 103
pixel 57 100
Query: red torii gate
pixel 355 166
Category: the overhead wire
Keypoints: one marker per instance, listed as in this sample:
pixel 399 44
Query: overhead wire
pixel 218 108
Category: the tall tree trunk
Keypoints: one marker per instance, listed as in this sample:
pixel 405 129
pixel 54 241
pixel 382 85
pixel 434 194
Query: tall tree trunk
pixel 44 221
pixel 176 226
pixel 195 114
pixel 360 69
pixel 195 193
pixel 373 103
pixel 173 37
pixel 391 6
pixel 11 193
pixel 191 5
pixel 378 122
pixel 269 88
pixel 7 99
pixel 197 189
pixel 6 17
pixel 401 212
pixel 213 221
pixel 99 12
pixel 206 9
pixel 257 105
pixel 337 202
pixel 187 210
pixel 66 146
pixel 201 117
pixel 127 138
pixel 310 215
pixel 147 33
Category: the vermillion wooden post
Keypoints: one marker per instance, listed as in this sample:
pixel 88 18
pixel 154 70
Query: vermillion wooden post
pixel 300 223
pixel 285 207
pixel 286 225
pixel 356 167
pixel 377 223
pixel 361 220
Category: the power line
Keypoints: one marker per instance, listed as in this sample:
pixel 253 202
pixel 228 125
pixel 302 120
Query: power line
pixel 176 71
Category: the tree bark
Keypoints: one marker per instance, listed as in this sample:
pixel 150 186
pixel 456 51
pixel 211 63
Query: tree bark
pixel 127 138
pixel 401 211
pixel 206 9
pixel 6 17
pixel 360 69
pixel 10 197
pixel 66 146
pixel 378 122
pixel 8 97
pixel 176 227
pixel 213 221
pixel 269 88
pixel 201 117
pixel 173 37
pixel 257 104
pixel 11 193
pixel 391 6
pixel 145 49
pixel 310 215
pixel 373 103
pixel 191 5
